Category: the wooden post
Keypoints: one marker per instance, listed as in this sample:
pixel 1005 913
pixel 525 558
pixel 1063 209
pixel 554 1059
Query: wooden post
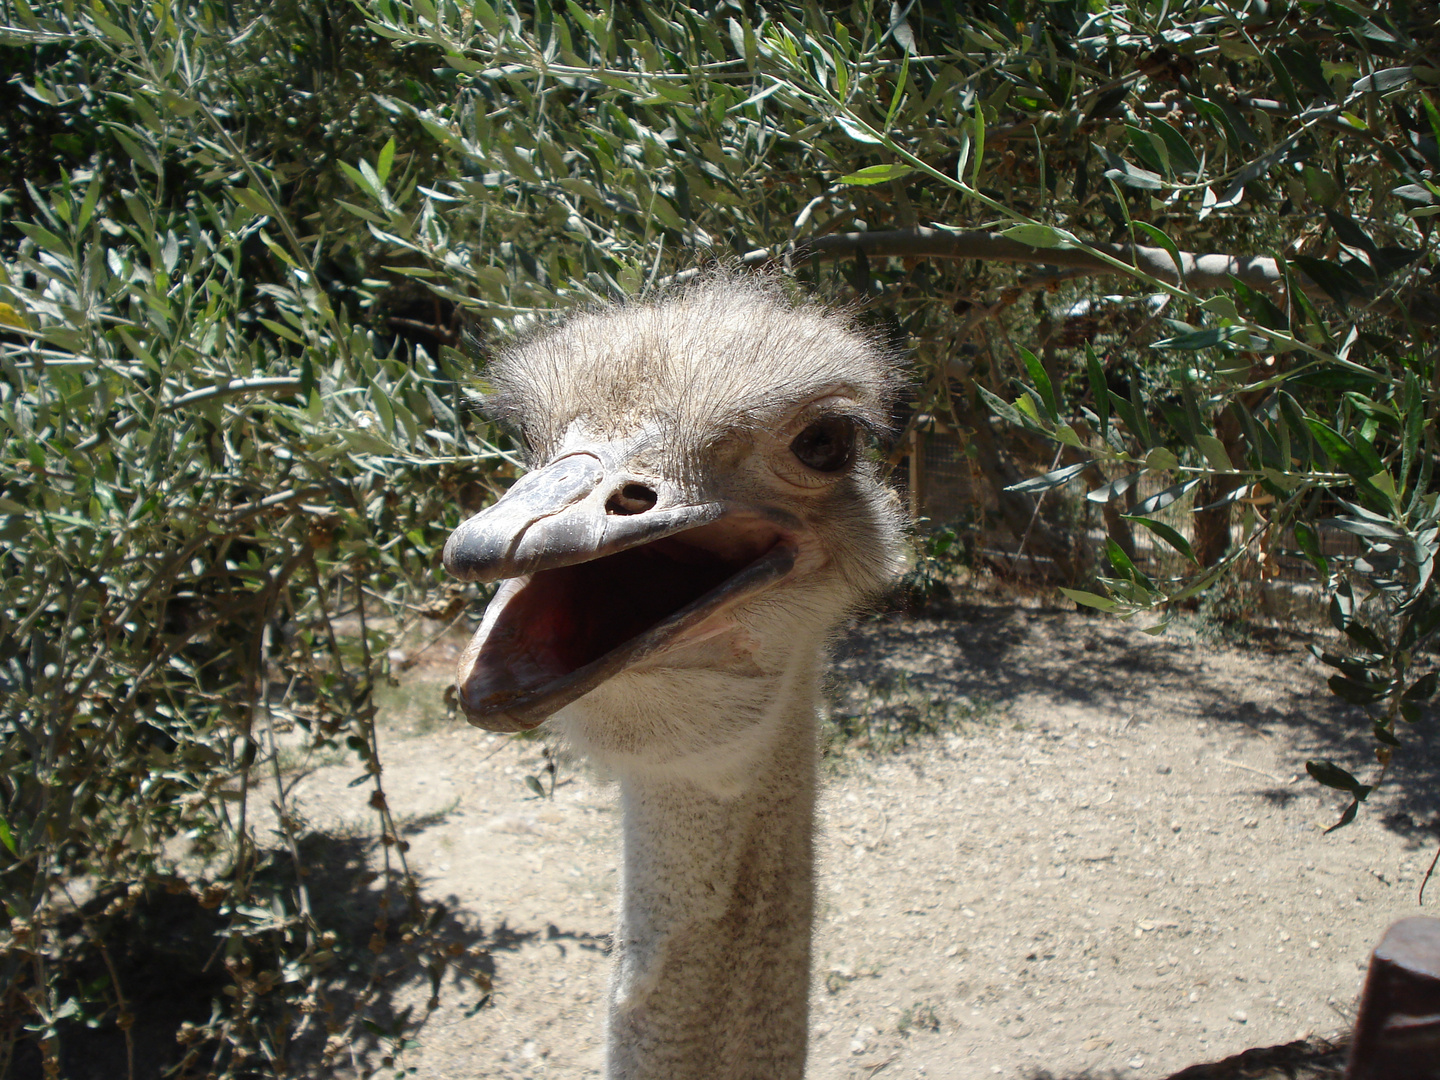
pixel 1397 1032
pixel 917 473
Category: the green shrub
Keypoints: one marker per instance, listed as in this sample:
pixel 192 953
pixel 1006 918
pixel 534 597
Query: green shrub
pixel 1260 200
pixel 225 472
pixel 206 464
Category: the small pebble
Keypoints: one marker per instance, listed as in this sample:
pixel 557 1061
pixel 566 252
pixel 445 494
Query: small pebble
pixel 863 1034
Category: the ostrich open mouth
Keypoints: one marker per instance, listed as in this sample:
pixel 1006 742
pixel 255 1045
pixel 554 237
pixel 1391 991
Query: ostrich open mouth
pixel 552 635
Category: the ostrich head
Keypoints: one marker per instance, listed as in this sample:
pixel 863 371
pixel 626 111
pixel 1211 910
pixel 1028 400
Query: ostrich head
pixel 699 517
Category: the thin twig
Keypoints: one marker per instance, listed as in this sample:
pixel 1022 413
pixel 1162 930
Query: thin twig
pixel 287 829
pixel 1426 879
pixel 1039 501
pixel 442 333
pixel 125 1018
pixel 1054 464
pixel 430 642
pixel 284 383
pixel 1251 768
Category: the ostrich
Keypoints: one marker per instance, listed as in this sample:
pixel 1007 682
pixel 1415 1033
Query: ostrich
pixel 700 520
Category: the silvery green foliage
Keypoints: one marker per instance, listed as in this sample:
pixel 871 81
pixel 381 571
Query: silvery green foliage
pixel 206 463
pixel 1263 196
pixel 213 444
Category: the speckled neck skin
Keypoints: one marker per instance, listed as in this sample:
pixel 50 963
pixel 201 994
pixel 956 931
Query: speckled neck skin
pixel 712 976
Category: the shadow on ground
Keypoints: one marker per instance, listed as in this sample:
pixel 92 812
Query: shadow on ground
pixel 174 955
pixel 1313 1059
pixel 994 646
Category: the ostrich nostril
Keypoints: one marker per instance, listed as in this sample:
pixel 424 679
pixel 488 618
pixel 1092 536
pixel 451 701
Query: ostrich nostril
pixel 631 499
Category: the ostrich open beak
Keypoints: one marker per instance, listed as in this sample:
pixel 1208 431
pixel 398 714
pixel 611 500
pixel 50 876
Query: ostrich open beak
pixel 603 570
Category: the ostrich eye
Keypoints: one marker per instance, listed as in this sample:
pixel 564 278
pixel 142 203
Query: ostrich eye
pixel 827 445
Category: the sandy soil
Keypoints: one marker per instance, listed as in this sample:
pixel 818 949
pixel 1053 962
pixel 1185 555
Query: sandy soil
pixel 1107 859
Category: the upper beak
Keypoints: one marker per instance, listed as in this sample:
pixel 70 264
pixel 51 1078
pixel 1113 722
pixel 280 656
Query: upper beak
pixel 573 510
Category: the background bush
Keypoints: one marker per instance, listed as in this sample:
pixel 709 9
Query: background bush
pixel 242 241
pixel 222 493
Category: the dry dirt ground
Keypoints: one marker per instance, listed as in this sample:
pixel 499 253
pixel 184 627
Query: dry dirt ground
pixel 1107 859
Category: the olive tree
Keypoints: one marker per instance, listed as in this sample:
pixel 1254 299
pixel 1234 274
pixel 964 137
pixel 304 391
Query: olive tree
pixel 1261 174
pixel 242 244
pixel 222 496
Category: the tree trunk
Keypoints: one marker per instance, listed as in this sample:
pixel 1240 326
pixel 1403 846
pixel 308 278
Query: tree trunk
pixel 1212 526
pixel 1116 527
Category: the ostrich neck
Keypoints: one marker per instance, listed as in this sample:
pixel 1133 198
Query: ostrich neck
pixel 717 899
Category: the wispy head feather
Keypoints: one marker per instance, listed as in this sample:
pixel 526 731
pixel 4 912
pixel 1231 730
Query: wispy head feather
pixel 723 353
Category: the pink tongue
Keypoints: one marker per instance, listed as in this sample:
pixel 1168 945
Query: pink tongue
pixel 557 621
pixel 521 649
